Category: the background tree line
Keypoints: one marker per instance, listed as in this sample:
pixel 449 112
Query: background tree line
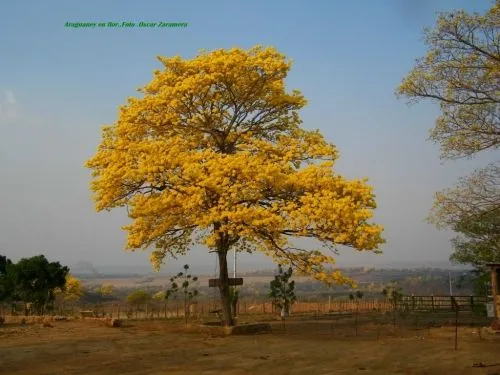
pixel 36 282
pixel 461 72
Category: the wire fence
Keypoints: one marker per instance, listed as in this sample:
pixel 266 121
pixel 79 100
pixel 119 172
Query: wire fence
pixel 177 309
pixel 453 327
pixel 458 318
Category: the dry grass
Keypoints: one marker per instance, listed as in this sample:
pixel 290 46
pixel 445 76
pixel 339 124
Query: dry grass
pixel 32 319
pixel 300 347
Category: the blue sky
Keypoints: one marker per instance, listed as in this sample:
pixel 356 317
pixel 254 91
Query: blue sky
pixel 59 85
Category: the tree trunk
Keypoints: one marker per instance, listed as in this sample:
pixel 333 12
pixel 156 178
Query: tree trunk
pixel 234 303
pixel 285 310
pixel 224 288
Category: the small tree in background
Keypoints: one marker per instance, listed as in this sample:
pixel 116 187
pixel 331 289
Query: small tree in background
pixel 99 294
pixel 394 293
pixel 105 290
pixel 159 296
pixel 72 290
pixel 183 283
pixel 139 297
pixel 356 296
pixel 283 291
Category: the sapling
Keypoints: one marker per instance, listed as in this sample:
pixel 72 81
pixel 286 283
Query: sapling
pixel 394 293
pixel 183 283
pixel 283 291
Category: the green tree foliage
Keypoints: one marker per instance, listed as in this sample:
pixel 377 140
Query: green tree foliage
pixel 472 197
pixel 479 240
pixel 5 281
pixel 478 243
pixel 283 290
pixel 35 280
pixel 356 296
pixel 4 262
pixel 472 209
pixel 393 292
pixel 479 278
pixel 138 297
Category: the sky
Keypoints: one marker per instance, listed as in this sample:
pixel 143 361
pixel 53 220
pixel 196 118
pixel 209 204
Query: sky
pixel 59 85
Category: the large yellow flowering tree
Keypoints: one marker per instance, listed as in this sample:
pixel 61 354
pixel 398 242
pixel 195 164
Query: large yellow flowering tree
pixel 214 153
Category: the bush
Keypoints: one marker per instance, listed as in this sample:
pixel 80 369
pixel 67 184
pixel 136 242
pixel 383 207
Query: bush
pixel 139 297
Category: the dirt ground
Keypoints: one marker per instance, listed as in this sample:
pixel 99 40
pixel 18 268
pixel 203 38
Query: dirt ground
pixel 302 347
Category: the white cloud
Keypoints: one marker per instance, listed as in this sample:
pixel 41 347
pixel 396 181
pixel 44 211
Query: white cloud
pixel 8 108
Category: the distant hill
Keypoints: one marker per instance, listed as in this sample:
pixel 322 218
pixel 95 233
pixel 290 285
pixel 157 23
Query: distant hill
pixel 89 270
pixel 84 268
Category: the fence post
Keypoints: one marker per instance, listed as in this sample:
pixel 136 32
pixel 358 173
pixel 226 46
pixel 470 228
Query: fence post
pixel 456 323
pixel 394 312
pixel 356 322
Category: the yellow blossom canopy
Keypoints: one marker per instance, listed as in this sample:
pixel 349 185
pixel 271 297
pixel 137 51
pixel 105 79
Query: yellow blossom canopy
pixel 214 153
